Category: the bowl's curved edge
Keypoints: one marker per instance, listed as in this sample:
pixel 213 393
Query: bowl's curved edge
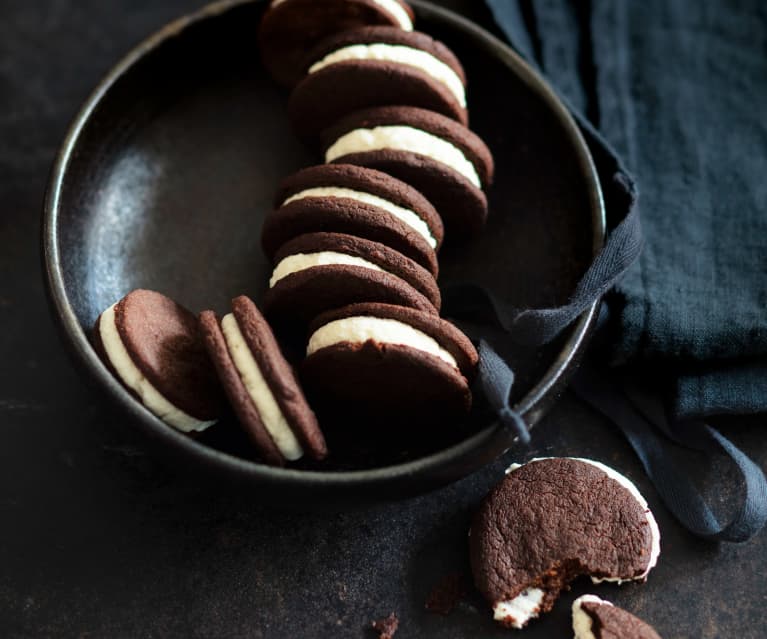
pixel 443 467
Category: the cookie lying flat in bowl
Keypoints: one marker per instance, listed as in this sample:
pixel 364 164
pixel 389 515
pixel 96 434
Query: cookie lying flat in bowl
pixel 442 159
pixel 290 28
pixel 595 618
pixel 261 385
pixel 376 66
pixel 318 272
pixel 550 521
pixel 153 346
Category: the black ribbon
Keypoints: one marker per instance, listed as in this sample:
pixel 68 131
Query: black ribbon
pixel 638 414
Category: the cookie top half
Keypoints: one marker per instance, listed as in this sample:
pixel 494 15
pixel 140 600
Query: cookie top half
pixel 356 201
pixel 377 66
pixel 442 159
pixel 317 272
pixel 291 28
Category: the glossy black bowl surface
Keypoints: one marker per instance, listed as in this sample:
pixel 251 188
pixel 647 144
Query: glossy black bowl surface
pixel 168 170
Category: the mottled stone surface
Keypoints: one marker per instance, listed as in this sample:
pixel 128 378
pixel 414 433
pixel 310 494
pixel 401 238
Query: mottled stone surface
pixel 98 539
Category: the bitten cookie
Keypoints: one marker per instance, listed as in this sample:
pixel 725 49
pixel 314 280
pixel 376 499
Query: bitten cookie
pixel 550 521
pixel 290 28
pixel 439 157
pixel 322 271
pixel 376 66
pixel 390 361
pixel 594 618
pixel 356 201
pixel 261 385
pixel 153 346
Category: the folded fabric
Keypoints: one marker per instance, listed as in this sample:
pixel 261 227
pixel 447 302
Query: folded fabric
pixel 678 88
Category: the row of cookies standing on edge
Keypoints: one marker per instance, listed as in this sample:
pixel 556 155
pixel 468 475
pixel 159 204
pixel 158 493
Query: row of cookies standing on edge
pixel 177 366
pixel 355 240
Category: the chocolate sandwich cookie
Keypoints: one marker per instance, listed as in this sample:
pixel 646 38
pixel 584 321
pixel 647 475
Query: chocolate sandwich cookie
pixel 356 201
pixel 383 360
pixel 322 271
pixel 594 618
pixel 439 157
pixel 550 521
pixel 261 385
pixel 153 346
pixel 376 66
pixel 290 28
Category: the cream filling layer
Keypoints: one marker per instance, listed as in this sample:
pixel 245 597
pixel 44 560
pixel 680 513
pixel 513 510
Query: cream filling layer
pixel 134 379
pixel 302 261
pixel 404 138
pixel 521 609
pixel 392 7
pixel 628 485
pixel 399 54
pixel 582 622
pixel 260 394
pixel 404 215
pixel 359 330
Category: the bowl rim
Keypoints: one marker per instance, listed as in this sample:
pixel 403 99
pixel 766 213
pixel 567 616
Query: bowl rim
pixel 494 437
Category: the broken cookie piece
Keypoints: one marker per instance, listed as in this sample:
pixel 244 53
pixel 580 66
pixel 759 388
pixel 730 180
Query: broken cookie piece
pixel 594 618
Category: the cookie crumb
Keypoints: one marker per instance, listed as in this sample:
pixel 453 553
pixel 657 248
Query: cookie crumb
pixel 387 627
pixel 448 593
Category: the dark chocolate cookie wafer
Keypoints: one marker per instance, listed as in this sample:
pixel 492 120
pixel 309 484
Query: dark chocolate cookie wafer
pixel 376 66
pixel 153 346
pixel 356 201
pixel 386 360
pixel 551 521
pixel 439 157
pixel 594 618
pixel 261 385
pixel 322 271
pixel 291 28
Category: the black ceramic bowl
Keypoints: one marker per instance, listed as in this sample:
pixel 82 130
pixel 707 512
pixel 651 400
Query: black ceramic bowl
pixel 168 170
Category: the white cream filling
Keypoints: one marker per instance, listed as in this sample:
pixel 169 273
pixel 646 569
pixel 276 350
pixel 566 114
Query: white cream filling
pixel 521 609
pixel 405 215
pixel 392 7
pixel 302 261
pixel 582 622
pixel 359 330
pixel 260 394
pixel 626 483
pixel 135 380
pixel 404 138
pixel 399 54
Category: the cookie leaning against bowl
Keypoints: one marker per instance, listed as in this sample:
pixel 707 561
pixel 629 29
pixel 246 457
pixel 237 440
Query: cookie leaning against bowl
pixel 376 66
pixel 355 201
pixel 550 521
pixel 389 361
pixel 261 385
pixel 290 28
pixel 440 158
pixel 318 272
pixel 153 346
pixel 595 618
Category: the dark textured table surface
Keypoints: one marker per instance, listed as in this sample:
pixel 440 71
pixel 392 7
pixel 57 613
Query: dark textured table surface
pixel 100 539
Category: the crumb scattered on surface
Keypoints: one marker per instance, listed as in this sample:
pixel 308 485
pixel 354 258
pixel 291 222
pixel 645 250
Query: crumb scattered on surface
pixel 386 628
pixel 448 593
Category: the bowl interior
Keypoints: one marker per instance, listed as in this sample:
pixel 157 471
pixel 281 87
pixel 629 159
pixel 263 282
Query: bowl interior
pixel 173 167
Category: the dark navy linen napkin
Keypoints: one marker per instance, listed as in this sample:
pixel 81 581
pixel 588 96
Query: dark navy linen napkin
pixel 680 90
